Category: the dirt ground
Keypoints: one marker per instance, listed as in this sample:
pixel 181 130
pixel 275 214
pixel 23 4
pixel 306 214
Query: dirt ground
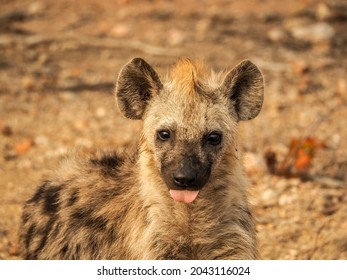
pixel 59 61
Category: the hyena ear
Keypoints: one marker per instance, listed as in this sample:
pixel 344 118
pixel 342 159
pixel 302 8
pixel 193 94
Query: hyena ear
pixel 244 85
pixel 136 84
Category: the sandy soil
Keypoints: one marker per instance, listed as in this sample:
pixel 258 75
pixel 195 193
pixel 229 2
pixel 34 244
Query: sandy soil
pixel 59 61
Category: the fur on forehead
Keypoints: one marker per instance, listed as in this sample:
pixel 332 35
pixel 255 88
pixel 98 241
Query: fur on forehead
pixel 189 102
pixel 192 78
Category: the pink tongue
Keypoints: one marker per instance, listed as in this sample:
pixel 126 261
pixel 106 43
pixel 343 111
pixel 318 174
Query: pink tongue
pixel 184 196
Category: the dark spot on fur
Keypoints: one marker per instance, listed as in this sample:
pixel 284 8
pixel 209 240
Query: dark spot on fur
pixel 229 252
pixel 51 205
pixel 64 250
pixel 83 217
pixel 25 217
pixel 342 244
pixel 56 230
pixel 109 164
pixel 112 236
pixel 79 216
pixel 50 195
pixel 182 252
pixel 78 250
pixel 29 236
pixel 97 223
pixel 31 256
pixel 108 161
pixel 110 192
pixel 93 245
pixel 73 198
pixel 45 234
pixel 39 193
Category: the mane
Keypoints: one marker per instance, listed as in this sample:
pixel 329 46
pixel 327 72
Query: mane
pixel 189 76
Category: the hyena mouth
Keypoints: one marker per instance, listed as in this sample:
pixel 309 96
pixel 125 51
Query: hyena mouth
pixel 185 196
pixel 188 179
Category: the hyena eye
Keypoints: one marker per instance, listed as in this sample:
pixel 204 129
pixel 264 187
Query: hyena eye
pixel 163 135
pixel 214 138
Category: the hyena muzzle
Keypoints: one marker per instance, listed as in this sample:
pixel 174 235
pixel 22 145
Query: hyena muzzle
pixel 180 193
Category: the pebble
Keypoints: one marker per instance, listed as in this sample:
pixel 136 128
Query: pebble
pixel 120 30
pixel 81 125
pixel 253 163
pixel 100 112
pixel 25 164
pixel 36 8
pixel 58 152
pixel 6 130
pixel 41 140
pixel 269 198
pixel 176 37
pixel 6 41
pixel 329 11
pixel 286 199
pixel 84 142
pixel 276 34
pixel 341 88
pixel 314 33
pixel 67 95
pixel 300 67
pixel 28 82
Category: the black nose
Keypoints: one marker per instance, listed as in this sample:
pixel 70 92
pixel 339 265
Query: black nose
pixel 185 177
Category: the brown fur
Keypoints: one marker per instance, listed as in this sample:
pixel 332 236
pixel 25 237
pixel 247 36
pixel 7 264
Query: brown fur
pixel 109 205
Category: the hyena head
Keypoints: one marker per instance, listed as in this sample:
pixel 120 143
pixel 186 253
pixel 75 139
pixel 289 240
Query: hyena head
pixel 190 119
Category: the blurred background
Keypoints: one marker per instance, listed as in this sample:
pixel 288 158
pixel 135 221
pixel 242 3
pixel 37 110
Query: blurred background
pixel 59 61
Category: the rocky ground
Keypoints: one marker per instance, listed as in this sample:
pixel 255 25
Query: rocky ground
pixel 59 61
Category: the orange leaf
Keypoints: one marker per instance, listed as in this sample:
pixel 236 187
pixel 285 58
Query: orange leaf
pixel 303 161
pixel 24 146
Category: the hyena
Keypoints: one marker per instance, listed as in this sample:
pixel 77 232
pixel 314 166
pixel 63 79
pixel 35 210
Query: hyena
pixel 180 194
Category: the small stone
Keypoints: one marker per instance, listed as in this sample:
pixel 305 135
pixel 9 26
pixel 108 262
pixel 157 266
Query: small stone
pixel 341 88
pixel 103 27
pixel 25 164
pixel 323 12
pixel 282 184
pixel 28 83
pixel 100 112
pixel 67 95
pixel 300 67
pixel 202 27
pixel 42 59
pixel 6 40
pixel 81 124
pixel 84 142
pixel 176 37
pixel 276 34
pixel 315 33
pixel 120 30
pixel 36 8
pixel 6 130
pixel 253 163
pixel 286 199
pixel 269 198
pixel 58 152
pixel 41 140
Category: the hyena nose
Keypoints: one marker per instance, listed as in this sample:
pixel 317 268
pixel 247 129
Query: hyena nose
pixel 185 177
